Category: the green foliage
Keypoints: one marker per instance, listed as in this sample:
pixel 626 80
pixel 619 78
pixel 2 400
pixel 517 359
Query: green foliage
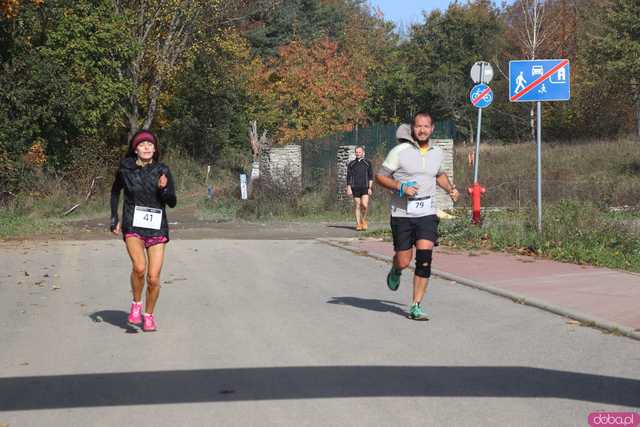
pixel 61 81
pixel 305 20
pixel 207 112
pixel 441 51
pixel 572 232
pixel 611 56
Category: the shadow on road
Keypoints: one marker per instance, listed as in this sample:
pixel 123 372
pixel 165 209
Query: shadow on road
pixel 370 304
pixel 345 227
pixel 114 317
pixel 310 382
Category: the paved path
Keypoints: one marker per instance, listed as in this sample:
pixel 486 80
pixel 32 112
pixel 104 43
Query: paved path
pixel 286 333
pixel 601 296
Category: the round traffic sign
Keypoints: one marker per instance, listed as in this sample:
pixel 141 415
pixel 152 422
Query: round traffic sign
pixel 481 96
pixel 476 70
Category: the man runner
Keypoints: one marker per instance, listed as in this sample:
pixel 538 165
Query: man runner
pixel 412 169
pixel 359 182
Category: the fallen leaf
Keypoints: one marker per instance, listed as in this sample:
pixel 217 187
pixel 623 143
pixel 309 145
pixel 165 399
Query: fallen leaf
pixel 573 322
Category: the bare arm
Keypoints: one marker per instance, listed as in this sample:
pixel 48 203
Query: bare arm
pixel 443 181
pixel 388 182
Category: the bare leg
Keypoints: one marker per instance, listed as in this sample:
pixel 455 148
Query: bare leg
pixel 364 207
pixel 402 259
pixel 156 258
pixel 135 248
pixel 357 202
pixel 420 283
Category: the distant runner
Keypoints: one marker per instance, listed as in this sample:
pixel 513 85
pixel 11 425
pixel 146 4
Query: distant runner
pixel 148 188
pixel 359 182
pixel 412 169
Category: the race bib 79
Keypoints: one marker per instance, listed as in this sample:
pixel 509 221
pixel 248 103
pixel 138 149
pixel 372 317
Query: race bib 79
pixel 418 207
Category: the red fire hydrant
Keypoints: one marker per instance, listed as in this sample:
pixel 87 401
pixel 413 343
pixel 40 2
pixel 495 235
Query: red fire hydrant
pixel 476 191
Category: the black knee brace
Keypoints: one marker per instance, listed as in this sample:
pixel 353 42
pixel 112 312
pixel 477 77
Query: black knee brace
pixel 423 262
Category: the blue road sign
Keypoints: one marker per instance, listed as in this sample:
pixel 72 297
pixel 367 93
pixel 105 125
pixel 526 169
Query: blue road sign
pixel 539 80
pixel 481 96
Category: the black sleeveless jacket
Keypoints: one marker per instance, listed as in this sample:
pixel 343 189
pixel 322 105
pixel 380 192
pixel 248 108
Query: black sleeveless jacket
pixel 140 185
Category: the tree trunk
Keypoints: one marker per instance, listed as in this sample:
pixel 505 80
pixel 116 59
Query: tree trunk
pixel 154 93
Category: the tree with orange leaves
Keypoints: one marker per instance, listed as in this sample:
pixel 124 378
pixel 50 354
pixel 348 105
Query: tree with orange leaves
pixel 308 91
pixel 11 8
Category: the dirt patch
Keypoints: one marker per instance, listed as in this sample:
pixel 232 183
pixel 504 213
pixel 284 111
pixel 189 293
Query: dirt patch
pixel 183 224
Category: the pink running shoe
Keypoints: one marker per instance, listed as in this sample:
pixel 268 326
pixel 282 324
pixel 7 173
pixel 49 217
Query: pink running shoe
pixel 149 323
pixel 135 315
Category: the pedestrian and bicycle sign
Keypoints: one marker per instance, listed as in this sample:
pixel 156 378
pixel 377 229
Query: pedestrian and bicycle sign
pixel 481 96
pixel 539 80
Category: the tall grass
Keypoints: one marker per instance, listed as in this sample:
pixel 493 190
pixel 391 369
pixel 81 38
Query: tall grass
pixel 604 173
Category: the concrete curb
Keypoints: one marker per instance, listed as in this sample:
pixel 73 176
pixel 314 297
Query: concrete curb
pixel 584 319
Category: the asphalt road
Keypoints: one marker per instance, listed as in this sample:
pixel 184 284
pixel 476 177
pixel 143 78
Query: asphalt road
pixel 285 332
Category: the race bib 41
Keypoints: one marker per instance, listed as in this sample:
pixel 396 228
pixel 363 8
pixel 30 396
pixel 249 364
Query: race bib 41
pixel 144 217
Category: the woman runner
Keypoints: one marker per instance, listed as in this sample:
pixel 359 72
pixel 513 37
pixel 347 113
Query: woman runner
pixel 148 188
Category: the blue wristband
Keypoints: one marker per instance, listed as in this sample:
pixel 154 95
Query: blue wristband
pixel 404 185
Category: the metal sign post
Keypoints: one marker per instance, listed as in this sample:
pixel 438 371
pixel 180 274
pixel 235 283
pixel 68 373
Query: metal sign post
pixel 481 96
pixel 539 163
pixel 536 81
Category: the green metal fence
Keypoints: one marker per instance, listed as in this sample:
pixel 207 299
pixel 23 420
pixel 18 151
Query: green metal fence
pixel 319 155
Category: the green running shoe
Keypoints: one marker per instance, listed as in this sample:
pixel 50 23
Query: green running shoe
pixel 416 313
pixel 393 279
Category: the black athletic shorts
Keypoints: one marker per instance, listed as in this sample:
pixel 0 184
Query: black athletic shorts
pixel 360 191
pixel 406 231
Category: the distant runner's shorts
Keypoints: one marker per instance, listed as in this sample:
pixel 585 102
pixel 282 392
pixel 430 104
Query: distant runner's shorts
pixel 360 191
pixel 148 241
pixel 407 231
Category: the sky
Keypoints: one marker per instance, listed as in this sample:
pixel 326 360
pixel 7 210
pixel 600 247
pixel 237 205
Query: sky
pixel 408 12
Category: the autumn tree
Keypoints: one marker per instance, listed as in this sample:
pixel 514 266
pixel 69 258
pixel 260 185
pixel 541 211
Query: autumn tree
pixel 308 91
